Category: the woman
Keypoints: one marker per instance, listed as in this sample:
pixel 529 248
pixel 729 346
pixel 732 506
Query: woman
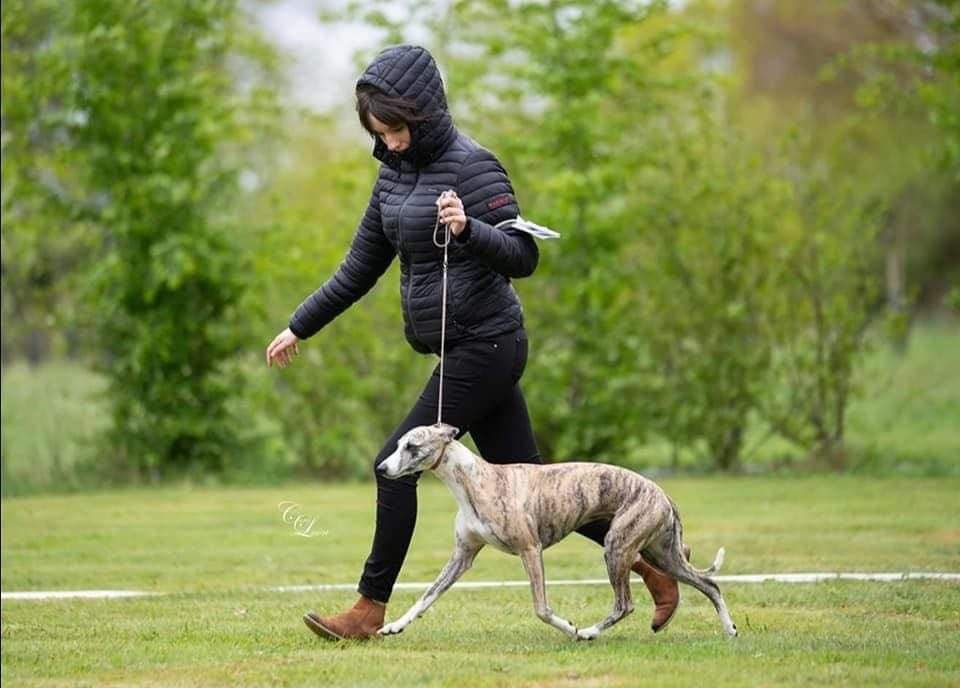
pixel 401 103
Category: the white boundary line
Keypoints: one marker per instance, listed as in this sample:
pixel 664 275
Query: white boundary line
pixel 68 594
pixel 475 585
pixel 747 578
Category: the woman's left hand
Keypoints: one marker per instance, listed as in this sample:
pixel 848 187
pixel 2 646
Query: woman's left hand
pixel 451 212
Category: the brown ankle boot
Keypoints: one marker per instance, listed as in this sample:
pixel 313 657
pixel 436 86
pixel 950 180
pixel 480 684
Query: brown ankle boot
pixel 663 589
pixel 362 621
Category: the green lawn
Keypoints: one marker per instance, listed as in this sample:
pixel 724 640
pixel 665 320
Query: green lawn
pixel 215 550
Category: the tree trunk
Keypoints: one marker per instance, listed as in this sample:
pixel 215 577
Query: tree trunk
pixel 726 452
pixel 896 282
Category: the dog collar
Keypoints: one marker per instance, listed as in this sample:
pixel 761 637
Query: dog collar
pixel 437 462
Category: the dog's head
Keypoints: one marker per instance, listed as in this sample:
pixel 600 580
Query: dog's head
pixel 418 450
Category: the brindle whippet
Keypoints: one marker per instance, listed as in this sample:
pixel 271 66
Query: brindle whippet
pixel 524 508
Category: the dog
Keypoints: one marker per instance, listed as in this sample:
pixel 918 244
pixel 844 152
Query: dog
pixel 522 509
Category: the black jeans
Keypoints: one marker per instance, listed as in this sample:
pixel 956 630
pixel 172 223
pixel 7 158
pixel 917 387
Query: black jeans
pixel 481 395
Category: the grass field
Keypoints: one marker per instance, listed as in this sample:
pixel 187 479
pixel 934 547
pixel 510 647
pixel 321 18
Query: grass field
pixel 215 551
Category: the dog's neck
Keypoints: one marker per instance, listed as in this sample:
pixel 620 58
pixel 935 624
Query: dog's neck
pixel 456 455
pixel 459 464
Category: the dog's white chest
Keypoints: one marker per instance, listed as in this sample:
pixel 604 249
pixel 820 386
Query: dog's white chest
pixel 472 527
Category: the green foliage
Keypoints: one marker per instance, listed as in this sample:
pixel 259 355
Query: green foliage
pixel 759 282
pixel 828 298
pixel 708 273
pixel 713 284
pixel 147 116
pixel 917 72
pixel 40 249
pixel 905 422
pixel 880 100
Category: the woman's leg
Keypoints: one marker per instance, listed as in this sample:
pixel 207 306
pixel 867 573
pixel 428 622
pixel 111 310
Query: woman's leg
pixel 396 511
pixel 505 434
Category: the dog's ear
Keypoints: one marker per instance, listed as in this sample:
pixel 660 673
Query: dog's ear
pixel 448 432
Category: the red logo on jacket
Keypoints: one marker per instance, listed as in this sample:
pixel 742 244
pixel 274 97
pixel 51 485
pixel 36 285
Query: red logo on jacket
pixel 499 201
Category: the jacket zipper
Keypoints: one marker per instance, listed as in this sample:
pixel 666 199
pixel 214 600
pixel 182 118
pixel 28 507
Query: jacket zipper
pixel 413 324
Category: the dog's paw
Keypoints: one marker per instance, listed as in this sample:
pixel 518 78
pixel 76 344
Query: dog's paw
pixel 392 628
pixel 588 633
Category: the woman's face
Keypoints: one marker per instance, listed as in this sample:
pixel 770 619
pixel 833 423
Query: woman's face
pixel 396 138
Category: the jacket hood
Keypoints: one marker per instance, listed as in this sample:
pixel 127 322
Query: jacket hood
pixel 409 71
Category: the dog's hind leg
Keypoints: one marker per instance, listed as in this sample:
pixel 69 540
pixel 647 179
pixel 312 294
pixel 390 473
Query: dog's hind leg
pixel 532 559
pixel 619 557
pixel 705 585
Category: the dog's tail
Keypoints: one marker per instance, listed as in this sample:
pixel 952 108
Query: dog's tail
pixel 678 538
pixel 717 563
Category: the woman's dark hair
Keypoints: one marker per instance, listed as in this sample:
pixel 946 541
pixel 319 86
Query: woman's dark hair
pixel 390 110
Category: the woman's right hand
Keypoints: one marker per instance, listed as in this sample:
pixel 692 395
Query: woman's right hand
pixel 283 348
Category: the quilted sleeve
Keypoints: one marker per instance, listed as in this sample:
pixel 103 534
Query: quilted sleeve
pixel 369 256
pixel 488 198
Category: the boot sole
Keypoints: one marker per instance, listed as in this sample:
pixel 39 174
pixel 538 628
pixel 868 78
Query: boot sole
pixel 313 623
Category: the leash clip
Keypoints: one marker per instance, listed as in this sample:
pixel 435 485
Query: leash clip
pixel 445 241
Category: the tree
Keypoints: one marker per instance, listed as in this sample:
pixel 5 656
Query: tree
pixel 144 113
pixel 708 275
pixel 824 304
pixel 878 82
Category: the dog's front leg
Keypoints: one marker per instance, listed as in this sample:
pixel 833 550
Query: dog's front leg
pixel 532 559
pixel 461 560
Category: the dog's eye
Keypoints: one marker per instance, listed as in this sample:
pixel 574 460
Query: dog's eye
pixel 411 447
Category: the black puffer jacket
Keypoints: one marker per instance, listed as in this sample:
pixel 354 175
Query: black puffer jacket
pixel 400 217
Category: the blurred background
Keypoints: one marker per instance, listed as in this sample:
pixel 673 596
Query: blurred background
pixel 759 202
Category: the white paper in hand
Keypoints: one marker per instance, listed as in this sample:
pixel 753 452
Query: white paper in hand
pixel 531 228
